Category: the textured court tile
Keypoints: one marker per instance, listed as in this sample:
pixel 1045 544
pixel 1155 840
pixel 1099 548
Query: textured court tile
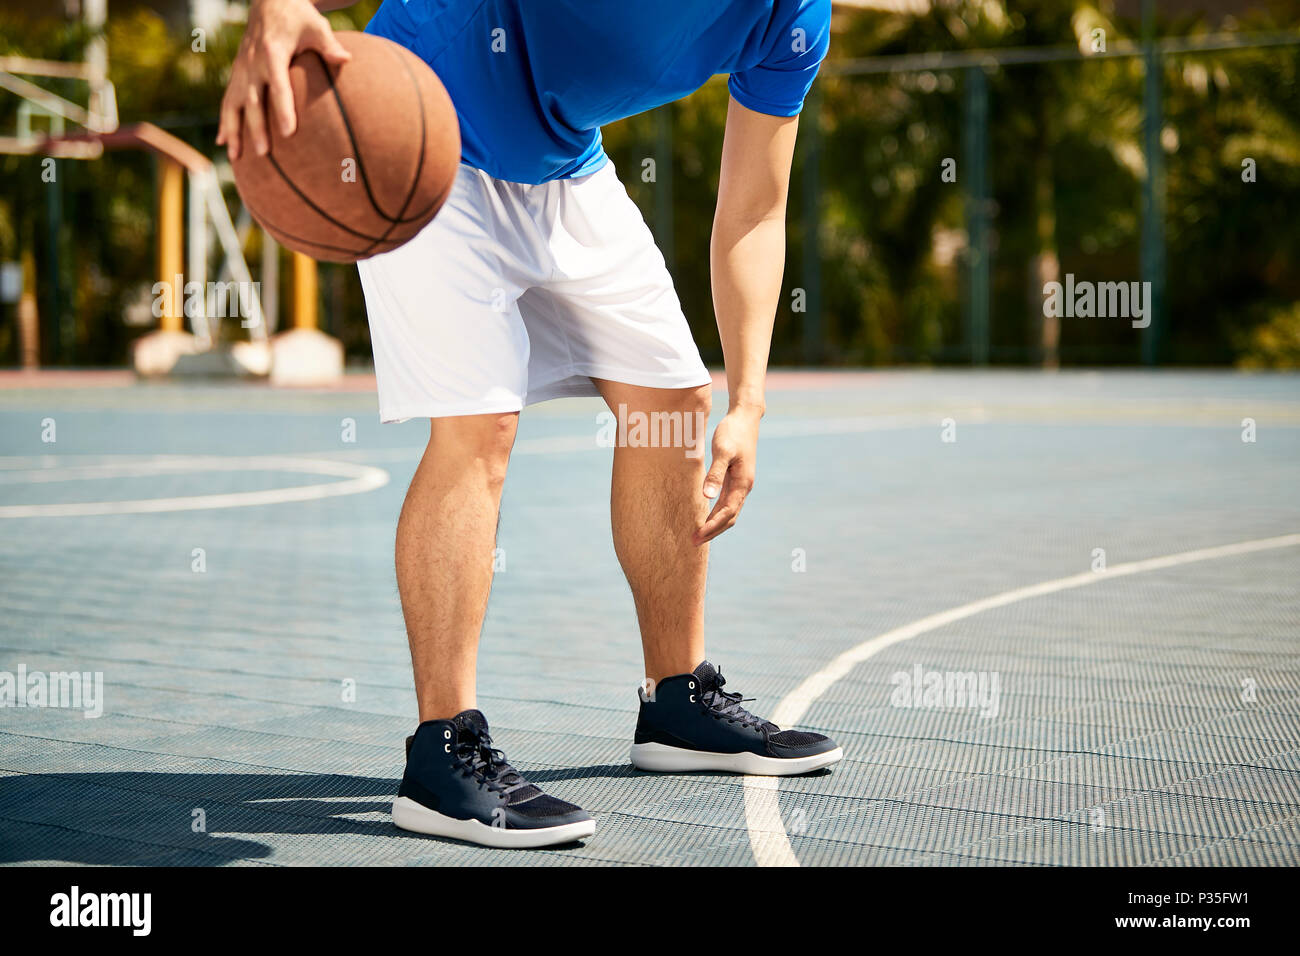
pixel 1168 702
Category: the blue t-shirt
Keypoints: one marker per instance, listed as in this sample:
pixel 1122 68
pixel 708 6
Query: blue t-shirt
pixel 534 80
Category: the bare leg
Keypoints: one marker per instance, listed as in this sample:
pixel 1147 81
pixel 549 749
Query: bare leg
pixel 445 538
pixel 656 503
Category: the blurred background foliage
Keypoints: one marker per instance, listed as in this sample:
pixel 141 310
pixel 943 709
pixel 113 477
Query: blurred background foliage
pixel 1066 168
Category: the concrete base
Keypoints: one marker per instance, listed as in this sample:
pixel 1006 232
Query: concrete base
pixel 305 357
pixel 253 358
pixel 237 360
pixel 157 353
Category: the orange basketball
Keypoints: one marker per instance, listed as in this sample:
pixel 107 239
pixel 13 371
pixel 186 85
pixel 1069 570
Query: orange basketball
pixel 371 162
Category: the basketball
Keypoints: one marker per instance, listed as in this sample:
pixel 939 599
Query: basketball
pixel 372 159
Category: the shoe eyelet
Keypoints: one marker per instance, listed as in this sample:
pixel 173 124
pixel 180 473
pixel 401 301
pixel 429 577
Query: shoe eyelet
pixel 446 734
pixel 446 748
pixel 691 684
pixel 692 698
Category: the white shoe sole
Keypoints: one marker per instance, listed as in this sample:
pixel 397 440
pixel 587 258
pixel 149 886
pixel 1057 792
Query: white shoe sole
pixel 662 758
pixel 410 815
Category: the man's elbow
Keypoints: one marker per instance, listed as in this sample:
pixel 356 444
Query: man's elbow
pixel 743 219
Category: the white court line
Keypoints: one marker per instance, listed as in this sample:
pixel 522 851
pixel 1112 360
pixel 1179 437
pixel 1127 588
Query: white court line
pixel 543 445
pixel 358 479
pixel 767 835
pixel 362 477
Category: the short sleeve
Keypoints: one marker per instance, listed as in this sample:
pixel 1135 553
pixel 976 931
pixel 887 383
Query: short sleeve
pixel 778 84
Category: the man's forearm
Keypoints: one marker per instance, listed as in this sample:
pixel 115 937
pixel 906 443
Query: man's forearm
pixel 747 260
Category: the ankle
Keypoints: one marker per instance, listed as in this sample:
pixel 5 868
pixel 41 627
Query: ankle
pixel 445 708
pixel 660 670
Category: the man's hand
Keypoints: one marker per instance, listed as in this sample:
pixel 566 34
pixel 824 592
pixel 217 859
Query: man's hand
pixel 731 476
pixel 277 31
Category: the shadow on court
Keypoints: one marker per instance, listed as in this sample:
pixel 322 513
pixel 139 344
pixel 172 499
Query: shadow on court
pixel 149 819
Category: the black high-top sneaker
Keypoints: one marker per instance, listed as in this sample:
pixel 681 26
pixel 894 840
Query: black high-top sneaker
pixel 458 785
pixel 691 723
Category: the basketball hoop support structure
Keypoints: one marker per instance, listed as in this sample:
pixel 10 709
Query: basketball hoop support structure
pixel 186 178
pixel 182 289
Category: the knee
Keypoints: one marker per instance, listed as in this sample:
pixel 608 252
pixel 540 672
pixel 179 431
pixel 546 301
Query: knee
pixel 478 442
pixel 675 418
pixel 493 443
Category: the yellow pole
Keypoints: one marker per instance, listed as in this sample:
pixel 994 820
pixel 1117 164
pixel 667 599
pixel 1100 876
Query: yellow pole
pixel 304 291
pixel 171 241
pixel 29 326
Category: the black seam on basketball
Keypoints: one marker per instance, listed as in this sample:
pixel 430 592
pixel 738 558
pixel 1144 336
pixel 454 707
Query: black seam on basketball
pixel 352 253
pixel 424 136
pixel 303 240
pixel 317 209
pixel 419 163
pixel 361 169
pixel 356 149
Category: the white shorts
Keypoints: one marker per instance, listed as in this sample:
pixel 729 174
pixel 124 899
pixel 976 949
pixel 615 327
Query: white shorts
pixel 516 294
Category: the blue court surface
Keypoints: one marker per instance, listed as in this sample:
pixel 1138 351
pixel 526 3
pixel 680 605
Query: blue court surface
pixel 1089 578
